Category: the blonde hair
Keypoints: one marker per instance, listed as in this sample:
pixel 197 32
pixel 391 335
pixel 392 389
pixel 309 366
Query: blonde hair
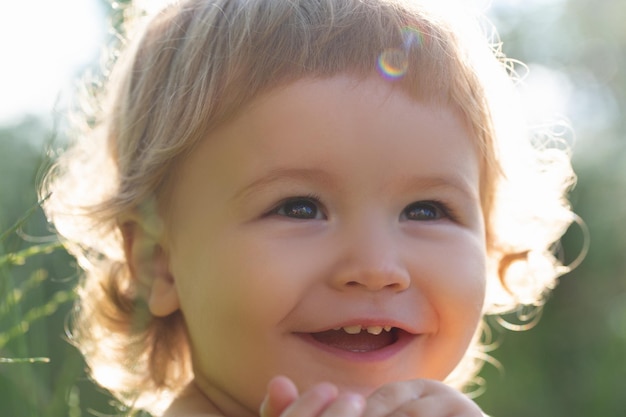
pixel 195 65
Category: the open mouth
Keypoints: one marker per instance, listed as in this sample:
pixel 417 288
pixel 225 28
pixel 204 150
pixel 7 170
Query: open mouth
pixel 359 339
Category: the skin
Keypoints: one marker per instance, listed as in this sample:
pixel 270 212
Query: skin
pixel 325 203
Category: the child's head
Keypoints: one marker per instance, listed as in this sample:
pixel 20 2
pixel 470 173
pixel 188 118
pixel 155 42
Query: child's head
pixel 221 197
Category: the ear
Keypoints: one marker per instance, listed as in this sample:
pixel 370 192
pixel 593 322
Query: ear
pixel 148 263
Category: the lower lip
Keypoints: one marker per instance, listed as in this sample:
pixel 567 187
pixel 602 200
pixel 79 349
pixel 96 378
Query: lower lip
pixel 379 355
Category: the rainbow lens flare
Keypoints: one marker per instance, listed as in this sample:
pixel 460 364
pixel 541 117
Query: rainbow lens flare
pixel 411 38
pixel 393 63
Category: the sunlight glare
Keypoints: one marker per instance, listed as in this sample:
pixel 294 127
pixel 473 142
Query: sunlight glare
pixel 43 44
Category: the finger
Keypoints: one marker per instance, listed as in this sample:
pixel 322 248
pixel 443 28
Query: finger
pixel 313 402
pixel 281 392
pixel 390 397
pixel 420 398
pixel 346 405
pixel 439 406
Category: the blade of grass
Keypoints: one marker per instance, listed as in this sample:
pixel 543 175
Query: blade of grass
pixel 24 360
pixel 35 314
pixel 20 222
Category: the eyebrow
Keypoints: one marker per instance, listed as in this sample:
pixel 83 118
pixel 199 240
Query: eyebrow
pixel 454 182
pixel 320 176
pixel 314 175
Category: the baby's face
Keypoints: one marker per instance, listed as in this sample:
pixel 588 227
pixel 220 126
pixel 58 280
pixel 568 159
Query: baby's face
pixel 332 232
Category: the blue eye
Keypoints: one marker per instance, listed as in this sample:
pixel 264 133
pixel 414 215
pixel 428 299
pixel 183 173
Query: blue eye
pixel 423 211
pixel 299 208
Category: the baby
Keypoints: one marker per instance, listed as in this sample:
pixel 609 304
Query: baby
pixel 304 208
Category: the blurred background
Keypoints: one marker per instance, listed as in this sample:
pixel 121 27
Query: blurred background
pixel 573 363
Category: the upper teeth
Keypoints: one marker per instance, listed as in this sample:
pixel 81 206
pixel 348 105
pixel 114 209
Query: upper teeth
pixel 356 329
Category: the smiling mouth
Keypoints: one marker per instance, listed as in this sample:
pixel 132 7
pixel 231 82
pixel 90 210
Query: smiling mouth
pixel 358 339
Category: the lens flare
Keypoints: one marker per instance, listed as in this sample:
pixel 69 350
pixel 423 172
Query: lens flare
pixel 411 38
pixel 393 63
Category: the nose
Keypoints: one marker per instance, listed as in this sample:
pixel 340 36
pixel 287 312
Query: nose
pixel 370 260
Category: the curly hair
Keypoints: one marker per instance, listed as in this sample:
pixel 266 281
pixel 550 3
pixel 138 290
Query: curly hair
pixel 194 65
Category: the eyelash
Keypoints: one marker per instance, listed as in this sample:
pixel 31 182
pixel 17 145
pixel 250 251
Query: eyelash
pixel 440 209
pixel 308 199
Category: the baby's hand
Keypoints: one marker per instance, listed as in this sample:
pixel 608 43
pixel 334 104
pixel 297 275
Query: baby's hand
pixel 419 398
pixel 323 400
pixel 416 398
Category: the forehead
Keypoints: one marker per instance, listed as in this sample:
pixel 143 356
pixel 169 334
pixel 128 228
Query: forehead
pixel 372 110
pixel 351 132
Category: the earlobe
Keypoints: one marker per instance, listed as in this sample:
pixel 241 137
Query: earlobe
pixel 163 299
pixel 148 264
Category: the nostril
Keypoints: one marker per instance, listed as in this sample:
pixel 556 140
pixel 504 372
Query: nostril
pixel 372 275
pixel 375 286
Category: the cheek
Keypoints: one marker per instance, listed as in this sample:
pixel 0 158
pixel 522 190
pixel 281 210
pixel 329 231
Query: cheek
pixel 458 281
pixel 253 281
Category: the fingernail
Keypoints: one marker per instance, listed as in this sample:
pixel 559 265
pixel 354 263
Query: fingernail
pixel 327 390
pixel 355 400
